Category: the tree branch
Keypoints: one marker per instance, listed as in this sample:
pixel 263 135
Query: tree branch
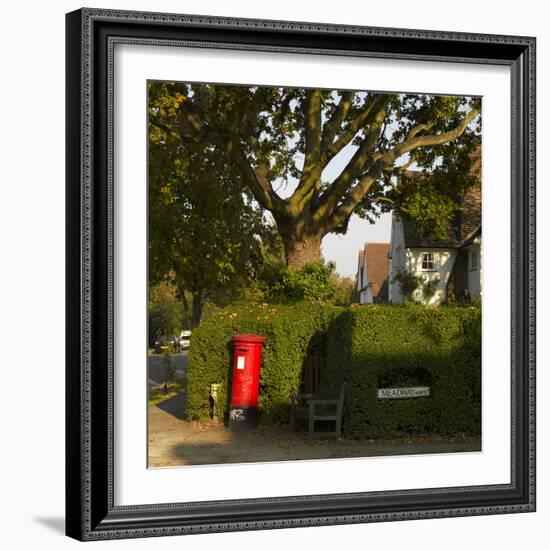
pixel 191 117
pixel 381 198
pixel 353 169
pixel 166 129
pixel 342 213
pixel 406 166
pixel 256 179
pixel 412 142
pixel 336 120
pixel 420 128
pixel 311 173
pixel 362 118
pixel 413 174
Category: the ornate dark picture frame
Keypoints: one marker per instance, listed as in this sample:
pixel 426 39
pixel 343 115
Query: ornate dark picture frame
pixel 90 510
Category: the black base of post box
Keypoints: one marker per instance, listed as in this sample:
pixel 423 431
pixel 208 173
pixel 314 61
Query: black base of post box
pixel 243 418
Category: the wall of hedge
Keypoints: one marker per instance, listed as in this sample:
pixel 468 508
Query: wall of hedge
pixel 290 330
pixel 369 346
pixel 401 346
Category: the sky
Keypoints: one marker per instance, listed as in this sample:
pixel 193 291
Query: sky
pixel 344 249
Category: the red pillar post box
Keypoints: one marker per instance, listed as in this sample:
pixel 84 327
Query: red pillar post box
pixel 247 360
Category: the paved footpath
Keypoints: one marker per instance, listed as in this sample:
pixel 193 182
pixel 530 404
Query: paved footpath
pixel 176 442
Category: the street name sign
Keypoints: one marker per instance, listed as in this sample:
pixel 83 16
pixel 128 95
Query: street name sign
pixel 402 393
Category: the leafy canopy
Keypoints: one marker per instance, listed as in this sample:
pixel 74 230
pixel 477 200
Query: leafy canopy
pixel 275 135
pixel 204 227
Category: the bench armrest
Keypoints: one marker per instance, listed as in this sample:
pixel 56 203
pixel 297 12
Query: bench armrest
pixel 296 398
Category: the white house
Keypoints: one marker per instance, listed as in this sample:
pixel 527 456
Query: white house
pixel 372 273
pixel 443 268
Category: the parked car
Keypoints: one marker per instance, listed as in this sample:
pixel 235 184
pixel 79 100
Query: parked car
pixel 167 342
pixel 185 339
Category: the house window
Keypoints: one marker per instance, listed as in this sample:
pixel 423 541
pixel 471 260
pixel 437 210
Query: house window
pixel 473 260
pixel 428 261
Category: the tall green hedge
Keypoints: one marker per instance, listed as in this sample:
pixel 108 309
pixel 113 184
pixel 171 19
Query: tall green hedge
pixel 290 331
pixel 370 347
pixel 401 346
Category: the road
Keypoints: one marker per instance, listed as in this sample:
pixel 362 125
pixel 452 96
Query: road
pixel 155 367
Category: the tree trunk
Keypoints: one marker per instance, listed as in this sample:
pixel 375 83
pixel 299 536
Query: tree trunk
pixel 184 301
pixel 196 312
pixel 302 250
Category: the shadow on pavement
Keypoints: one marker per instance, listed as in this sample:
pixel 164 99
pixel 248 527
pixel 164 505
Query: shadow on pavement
pixel 214 444
pixel 174 406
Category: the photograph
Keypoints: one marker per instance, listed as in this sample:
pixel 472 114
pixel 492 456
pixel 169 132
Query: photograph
pixel 314 273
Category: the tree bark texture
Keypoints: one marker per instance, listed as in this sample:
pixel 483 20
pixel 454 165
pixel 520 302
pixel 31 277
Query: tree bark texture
pixel 300 251
pixel 196 312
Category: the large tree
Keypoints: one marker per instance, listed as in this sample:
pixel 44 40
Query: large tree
pixel 404 152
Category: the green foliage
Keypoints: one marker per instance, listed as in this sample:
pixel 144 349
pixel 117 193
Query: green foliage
pixel 346 290
pixel 290 331
pixel 204 228
pixel 429 286
pixel 313 282
pixel 438 347
pixel 428 207
pixel 166 315
pixel 410 282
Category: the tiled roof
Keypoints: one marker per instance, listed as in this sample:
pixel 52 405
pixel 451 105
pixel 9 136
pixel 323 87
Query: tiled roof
pixel 377 265
pixel 470 216
pixel 471 237
pixel 414 239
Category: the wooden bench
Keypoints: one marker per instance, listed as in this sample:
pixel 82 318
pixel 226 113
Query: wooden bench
pixel 313 408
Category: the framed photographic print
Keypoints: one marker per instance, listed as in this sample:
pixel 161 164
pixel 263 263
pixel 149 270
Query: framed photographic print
pixel 300 274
